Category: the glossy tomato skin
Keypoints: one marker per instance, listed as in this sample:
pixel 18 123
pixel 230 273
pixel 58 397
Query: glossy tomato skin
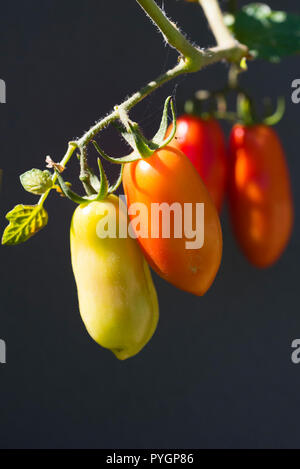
pixel 260 198
pixel 203 142
pixel 169 177
pixel 117 299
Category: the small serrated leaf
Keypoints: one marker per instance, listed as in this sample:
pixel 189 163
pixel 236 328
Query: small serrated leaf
pixel 36 181
pixel 24 222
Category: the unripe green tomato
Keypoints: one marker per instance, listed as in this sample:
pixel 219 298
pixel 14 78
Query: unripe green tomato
pixel 117 299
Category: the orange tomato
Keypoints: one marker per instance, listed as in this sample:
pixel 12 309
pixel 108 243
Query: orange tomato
pixel 260 198
pixel 169 177
pixel 203 142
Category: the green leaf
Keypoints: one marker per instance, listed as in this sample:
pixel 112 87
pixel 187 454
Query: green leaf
pixel 36 181
pixel 269 34
pixel 24 222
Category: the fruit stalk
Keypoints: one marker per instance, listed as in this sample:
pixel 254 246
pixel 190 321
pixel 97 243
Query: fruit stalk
pixel 194 60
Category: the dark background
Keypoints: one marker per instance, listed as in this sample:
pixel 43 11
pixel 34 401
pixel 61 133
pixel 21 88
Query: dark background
pixel 218 372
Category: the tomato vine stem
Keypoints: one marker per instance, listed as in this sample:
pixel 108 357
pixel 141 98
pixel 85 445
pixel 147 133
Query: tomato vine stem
pixel 215 19
pixel 191 59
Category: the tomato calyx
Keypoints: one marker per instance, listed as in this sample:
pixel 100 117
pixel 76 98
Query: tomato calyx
pixel 248 116
pixel 104 188
pixel 142 147
pixel 246 110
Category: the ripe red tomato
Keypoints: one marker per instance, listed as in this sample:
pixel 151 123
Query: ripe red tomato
pixel 169 177
pixel 260 198
pixel 203 142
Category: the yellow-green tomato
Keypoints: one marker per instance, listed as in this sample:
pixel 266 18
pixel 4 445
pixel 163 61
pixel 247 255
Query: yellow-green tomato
pixel 117 299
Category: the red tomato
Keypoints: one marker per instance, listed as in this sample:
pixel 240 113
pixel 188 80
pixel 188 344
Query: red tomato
pixel 203 142
pixel 260 198
pixel 169 177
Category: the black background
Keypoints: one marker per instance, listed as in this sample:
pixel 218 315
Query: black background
pixel 218 372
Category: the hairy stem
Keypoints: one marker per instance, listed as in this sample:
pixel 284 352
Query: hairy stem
pixel 179 69
pixel 191 59
pixel 71 147
pixel 215 19
pixel 170 31
pixel 84 173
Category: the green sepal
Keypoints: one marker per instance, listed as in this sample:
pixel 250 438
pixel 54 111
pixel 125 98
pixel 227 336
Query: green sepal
pixel 136 139
pixel 128 137
pixel 131 132
pixel 103 189
pixel 24 222
pixel 274 118
pixel 77 199
pixel 244 109
pixel 143 146
pixel 123 159
pixel 115 186
pixel 159 137
pixel 93 179
pixel 246 112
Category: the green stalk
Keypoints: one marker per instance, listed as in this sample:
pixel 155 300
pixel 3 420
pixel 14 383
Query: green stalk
pixel 191 59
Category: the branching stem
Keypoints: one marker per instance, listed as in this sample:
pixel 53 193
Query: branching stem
pixel 191 59
pixel 215 19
